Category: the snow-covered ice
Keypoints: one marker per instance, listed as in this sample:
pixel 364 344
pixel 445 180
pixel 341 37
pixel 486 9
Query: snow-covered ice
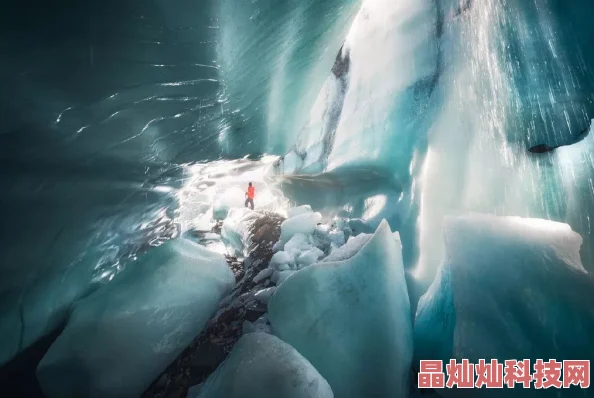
pixel 351 319
pixel 151 311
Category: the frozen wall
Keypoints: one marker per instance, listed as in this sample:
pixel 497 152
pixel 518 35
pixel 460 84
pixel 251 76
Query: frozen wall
pixel 368 127
pixel 515 77
pixel 448 96
pixel 274 57
pixel 393 66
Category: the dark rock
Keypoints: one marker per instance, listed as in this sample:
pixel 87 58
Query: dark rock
pixel 544 148
pixel 162 382
pixel 18 377
pixel 342 64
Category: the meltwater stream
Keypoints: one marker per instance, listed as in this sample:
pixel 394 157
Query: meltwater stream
pixel 127 124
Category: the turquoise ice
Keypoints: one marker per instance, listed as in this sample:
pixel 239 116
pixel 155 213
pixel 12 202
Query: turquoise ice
pixel 262 366
pixel 351 319
pixel 510 288
pixel 121 337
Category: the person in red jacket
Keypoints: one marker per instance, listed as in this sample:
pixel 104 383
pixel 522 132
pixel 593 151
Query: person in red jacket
pixel 251 192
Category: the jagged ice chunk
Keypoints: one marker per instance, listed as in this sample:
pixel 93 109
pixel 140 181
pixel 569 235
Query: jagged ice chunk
pixel 351 319
pixel 262 366
pixel 303 223
pixel 121 337
pixel 510 288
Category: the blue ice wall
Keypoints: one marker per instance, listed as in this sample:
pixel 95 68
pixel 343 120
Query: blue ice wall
pixel 512 78
pixel 100 105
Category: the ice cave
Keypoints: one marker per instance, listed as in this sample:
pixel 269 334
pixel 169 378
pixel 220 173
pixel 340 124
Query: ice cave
pixel 422 181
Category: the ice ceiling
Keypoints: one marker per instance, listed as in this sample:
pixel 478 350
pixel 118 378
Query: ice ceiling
pixel 408 110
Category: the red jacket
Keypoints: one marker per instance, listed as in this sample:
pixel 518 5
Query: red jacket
pixel 251 192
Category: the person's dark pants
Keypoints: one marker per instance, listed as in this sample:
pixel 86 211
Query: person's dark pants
pixel 250 202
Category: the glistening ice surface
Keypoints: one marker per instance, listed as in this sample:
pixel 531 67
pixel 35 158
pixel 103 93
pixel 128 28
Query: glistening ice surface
pixel 124 124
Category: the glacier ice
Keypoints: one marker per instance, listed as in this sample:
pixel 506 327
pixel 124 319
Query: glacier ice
pixel 298 243
pixel 289 67
pixel 280 258
pixel 153 102
pixel 337 237
pixel 301 224
pixel 304 249
pixel 262 366
pixel 295 211
pixel 510 287
pixel 282 267
pixel 456 92
pixel 41 308
pixel 309 257
pixel 358 226
pixel 380 111
pixel 259 325
pixel 264 295
pixel 321 238
pixel 198 214
pixel 236 230
pixel 212 189
pixel 211 236
pixel 523 93
pixel 352 247
pixel 121 337
pixel 265 273
pixel 471 88
pixel 232 198
pixel 280 276
pixel 351 319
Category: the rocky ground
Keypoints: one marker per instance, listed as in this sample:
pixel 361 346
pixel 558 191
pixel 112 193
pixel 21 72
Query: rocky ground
pixel 213 345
